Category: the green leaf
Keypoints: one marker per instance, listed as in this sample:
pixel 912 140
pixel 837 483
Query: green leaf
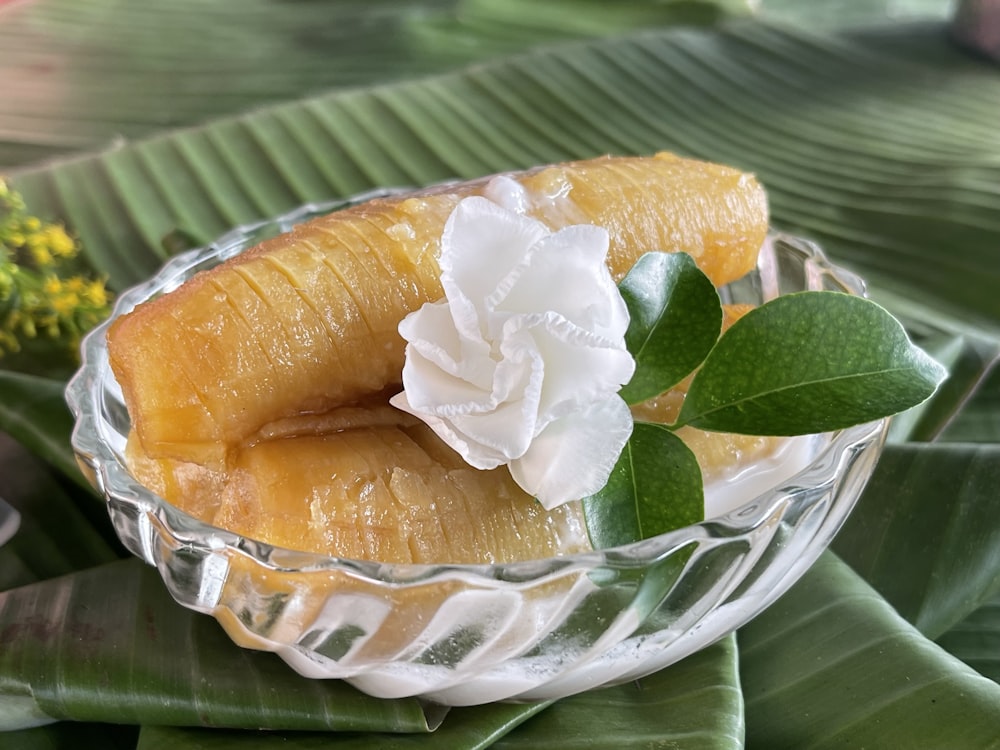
pixel 109 644
pixel 968 360
pixel 852 14
pixel 976 640
pixel 60 530
pixel 809 362
pixel 557 19
pixel 887 193
pixel 33 411
pixel 980 420
pixel 925 532
pixel 654 487
pixel 831 665
pixel 464 728
pixel 695 704
pixel 173 66
pixel 675 320
pixel 162 66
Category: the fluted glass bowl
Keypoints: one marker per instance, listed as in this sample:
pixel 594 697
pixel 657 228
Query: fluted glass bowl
pixel 468 634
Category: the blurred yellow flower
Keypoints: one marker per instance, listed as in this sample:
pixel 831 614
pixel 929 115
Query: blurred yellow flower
pixel 41 255
pixel 40 289
pixel 96 294
pixel 60 243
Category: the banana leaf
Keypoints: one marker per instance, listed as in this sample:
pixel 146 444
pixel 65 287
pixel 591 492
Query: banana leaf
pixel 832 665
pixel 969 361
pixel 110 645
pixel 151 658
pixel 72 82
pixel 930 510
pixel 34 412
pixel 58 533
pixel 880 143
pixel 849 14
pixel 980 421
pixel 976 640
pixel 891 195
pixel 465 728
pixel 81 76
pixel 694 704
pixel 700 698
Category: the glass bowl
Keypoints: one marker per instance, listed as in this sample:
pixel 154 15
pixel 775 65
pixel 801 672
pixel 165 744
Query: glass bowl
pixel 469 634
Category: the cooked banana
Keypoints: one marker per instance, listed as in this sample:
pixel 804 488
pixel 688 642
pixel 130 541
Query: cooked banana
pixel 308 321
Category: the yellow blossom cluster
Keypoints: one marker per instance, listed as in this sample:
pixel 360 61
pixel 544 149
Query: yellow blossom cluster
pixel 41 296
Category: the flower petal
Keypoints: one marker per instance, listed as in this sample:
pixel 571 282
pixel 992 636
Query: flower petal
pixel 522 362
pixel 568 271
pixel 573 456
pixel 476 455
pixel 580 367
pixel 432 390
pixel 432 333
pixel 506 431
pixel 508 193
pixel 481 243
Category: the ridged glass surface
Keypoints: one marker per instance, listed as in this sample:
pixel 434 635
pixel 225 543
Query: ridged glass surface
pixel 467 634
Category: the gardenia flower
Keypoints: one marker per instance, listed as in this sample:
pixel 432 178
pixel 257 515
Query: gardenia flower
pixel 522 361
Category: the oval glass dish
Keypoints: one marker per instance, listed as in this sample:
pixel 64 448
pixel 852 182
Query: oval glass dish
pixel 469 634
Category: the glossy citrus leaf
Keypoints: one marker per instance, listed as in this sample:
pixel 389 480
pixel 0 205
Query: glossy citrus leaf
pixel 655 487
pixel 806 363
pixel 674 320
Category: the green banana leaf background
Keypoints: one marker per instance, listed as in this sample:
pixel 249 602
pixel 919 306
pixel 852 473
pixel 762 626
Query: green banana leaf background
pixel 150 127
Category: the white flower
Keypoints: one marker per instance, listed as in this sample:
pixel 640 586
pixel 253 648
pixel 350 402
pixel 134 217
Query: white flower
pixel 522 361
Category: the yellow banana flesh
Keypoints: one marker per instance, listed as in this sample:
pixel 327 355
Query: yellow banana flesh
pixel 258 391
pixel 307 321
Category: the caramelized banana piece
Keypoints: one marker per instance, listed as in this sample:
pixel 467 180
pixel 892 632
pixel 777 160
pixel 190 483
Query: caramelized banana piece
pixel 308 321
pixel 390 493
